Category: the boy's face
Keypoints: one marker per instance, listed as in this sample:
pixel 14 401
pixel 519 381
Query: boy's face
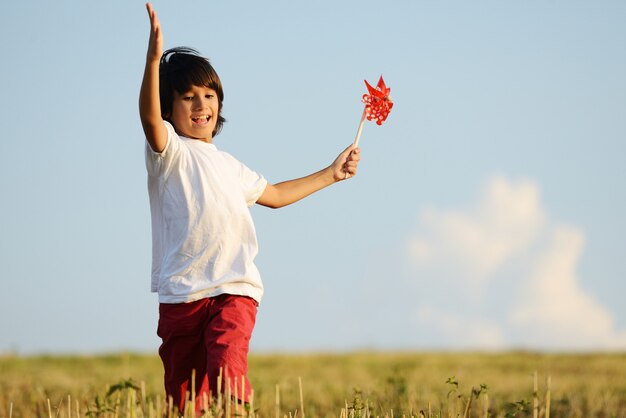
pixel 194 113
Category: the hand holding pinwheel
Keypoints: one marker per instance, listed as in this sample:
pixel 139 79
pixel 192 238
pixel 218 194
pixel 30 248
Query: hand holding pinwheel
pixel 378 104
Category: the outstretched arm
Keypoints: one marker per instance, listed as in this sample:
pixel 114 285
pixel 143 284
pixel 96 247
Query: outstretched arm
pixel 288 192
pixel 149 102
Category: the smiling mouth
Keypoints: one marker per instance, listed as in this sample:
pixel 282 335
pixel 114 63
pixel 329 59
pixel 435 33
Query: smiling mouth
pixel 201 120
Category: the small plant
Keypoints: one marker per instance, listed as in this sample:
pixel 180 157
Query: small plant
pixel 514 408
pixel 100 408
pixel 121 385
pixel 103 406
pixel 454 385
pixel 482 389
pixel 358 408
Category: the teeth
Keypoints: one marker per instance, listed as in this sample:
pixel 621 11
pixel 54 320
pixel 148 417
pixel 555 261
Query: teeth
pixel 201 117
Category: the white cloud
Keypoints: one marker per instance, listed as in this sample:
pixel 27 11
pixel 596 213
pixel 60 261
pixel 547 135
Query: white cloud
pixel 518 266
pixel 556 310
pixel 480 239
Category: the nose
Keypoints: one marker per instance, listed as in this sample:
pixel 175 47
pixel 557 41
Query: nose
pixel 199 103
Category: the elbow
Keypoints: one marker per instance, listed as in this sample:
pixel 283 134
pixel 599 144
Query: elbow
pixel 275 205
pixel 268 204
pixel 272 204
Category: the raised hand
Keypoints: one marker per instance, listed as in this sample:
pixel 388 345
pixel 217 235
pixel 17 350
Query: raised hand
pixel 346 163
pixel 155 44
pixel 149 101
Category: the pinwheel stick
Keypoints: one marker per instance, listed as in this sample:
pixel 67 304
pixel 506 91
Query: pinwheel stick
pixel 358 133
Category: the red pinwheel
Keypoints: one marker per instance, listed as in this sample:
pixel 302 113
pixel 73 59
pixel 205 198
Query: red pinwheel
pixel 378 104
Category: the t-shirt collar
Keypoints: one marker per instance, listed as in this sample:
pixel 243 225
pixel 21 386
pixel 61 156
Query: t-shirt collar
pixel 208 144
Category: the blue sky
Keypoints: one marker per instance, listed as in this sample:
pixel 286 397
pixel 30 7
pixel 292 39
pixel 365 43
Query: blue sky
pixel 488 212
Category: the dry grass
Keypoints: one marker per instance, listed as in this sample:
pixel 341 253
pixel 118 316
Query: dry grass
pixel 357 384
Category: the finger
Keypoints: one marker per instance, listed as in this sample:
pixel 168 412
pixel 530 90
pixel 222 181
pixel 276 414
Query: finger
pixel 354 152
pixel 154 20
pixel 354 157
pixel 348 174
pixel 351 170
pixel 352 161
pixel 349 149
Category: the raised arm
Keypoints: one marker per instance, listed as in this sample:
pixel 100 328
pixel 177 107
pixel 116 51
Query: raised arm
pixel 288 192
pixel 149 102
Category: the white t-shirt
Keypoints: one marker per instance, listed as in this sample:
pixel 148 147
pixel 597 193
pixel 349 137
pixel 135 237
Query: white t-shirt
pixel 203 238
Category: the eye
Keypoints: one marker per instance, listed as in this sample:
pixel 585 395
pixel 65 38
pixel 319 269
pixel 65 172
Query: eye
pixel 187 98
pixel 209 96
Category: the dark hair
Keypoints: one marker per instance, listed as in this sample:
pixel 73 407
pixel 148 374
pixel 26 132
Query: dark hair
pixel 181 68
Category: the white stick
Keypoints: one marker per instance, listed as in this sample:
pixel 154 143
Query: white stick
pixel 301 397
pixel 358 133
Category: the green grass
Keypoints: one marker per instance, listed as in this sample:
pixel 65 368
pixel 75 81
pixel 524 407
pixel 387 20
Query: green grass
pixel 357 384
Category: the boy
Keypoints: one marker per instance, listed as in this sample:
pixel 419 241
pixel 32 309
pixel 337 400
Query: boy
pixel 204 242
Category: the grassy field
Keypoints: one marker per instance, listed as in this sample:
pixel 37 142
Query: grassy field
pixel 357 384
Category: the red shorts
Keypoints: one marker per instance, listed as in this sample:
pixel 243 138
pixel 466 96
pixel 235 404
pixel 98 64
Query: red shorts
pixel 204 336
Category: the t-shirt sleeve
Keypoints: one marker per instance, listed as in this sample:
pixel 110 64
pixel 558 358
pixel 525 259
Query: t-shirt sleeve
pixel 253 184
pixel 158 163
